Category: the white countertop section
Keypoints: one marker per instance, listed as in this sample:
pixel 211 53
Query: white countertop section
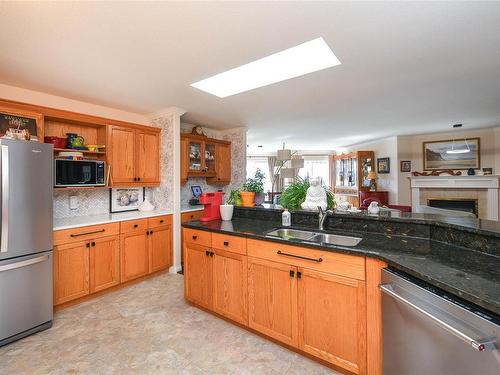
pixel 192 208
pixel 83 221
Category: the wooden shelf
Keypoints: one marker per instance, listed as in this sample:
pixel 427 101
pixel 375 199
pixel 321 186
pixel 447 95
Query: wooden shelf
pixel 82 151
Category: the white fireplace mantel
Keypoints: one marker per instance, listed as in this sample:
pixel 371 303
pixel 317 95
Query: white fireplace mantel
pixel 490 183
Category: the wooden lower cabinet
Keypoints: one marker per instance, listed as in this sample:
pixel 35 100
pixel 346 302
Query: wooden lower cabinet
pixel 198 275
pixel 272 300
pixel 160 249
pixel 230 285
pixel 71 271
pixel 332 319
pixel 104 263
pixel 134 255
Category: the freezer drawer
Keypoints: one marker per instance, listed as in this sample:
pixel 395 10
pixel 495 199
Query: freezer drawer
pixel 25 295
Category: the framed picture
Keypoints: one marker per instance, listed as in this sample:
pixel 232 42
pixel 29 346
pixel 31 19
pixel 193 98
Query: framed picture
pixel 19 121
pixel 383 165
pixel 405 166
pixel 125 199
pixel 196 190
pixel 452 154
pixel 487 171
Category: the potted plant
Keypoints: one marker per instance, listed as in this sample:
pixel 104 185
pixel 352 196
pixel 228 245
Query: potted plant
pixel 256 186
pixel 293 196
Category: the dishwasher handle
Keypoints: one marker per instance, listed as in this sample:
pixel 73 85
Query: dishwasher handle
pixel 481 345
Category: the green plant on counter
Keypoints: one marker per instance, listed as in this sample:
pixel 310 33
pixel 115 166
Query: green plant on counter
pixel 234 198
pixel 255 184
pixel 295 194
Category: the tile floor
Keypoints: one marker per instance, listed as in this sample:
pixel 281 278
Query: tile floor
pixel 148 329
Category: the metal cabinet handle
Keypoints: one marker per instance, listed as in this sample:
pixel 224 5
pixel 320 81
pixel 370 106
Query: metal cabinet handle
pixel 24 263
pixel 480 345
pixel 87 233
pixel 5 200
pixel 136 225
pixel 226 243
pixel 161 221
pixel 292 273
pixel 279 252
pixel 195 237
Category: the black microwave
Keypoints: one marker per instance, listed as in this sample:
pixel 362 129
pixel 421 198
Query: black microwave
pixel 70 173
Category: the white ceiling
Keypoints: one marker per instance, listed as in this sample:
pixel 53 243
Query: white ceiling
pixel 407 67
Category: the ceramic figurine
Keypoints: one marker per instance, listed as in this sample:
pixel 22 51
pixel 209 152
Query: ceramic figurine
pixel 373 208
pixel 343 206
pixel 315 197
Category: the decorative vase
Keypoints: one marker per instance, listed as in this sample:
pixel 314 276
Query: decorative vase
pixel 259 198
pixel 247 198
pixel 226 211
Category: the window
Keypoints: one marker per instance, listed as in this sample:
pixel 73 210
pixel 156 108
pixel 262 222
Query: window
pixel 316 166
pixel 259 162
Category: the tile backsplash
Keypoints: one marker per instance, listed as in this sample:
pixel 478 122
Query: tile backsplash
pixel 91 202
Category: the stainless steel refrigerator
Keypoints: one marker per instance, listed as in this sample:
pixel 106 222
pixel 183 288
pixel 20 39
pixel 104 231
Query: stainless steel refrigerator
pixel 25 238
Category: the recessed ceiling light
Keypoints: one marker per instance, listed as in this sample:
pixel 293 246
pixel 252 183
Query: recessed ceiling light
pixel 293 62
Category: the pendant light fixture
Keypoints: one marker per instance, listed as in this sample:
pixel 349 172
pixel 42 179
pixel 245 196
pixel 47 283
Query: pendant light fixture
pixel 284 154
pixel 462 150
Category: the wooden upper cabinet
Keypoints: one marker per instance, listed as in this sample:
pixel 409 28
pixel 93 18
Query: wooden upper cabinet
pixel 148 156
pixel 122 157
pixel 230 285
pixel 198 275
pixel 134 156
pixel 205 157
pixel 134 255
pixel 71 271
pixel 332 319
pixel 272 300
pixel 104 263
pixel 222 165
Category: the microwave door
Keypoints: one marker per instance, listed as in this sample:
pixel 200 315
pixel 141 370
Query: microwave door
pixel 75 173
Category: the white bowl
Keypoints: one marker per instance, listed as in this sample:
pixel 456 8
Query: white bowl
pixel 226 211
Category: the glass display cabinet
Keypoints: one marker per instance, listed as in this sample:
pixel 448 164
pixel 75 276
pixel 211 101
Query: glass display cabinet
pixel 351 175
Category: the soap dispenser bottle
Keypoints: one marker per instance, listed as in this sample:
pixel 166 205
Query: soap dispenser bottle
pixel 286 218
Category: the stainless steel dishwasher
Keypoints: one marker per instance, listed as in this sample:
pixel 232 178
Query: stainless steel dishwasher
pixel 427 332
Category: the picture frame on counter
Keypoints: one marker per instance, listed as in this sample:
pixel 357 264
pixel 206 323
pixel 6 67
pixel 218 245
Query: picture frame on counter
pixel 15 124
pixel 125 199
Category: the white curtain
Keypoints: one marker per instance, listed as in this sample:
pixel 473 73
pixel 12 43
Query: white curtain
pixel 272 163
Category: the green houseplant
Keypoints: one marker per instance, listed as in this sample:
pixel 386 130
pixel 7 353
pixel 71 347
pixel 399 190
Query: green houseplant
pixel 234 198
pixel 293 196
pixel 253 190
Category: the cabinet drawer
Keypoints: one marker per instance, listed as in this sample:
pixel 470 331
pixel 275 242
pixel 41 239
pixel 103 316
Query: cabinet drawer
pixel 198 237
pixel 159 221
pixel 133 225
pixel 85 233
pixel 193 215
pixel 229 243
pixel 325 261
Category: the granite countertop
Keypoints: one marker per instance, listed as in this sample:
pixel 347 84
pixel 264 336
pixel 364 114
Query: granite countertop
pixel 82 221
pixel 192 208
pixel 471 275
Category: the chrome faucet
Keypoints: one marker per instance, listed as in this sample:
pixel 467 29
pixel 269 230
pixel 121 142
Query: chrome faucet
pixel 322 217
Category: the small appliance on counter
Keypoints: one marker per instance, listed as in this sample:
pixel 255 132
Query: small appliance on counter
pixel 195 201
pixel 212 202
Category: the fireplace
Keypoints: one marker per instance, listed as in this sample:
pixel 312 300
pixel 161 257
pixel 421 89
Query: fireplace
pixel 457 204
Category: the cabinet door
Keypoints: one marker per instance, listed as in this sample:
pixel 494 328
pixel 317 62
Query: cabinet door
pixel 230 285
pixel 104 263
pixel 222 165
pixel 184 160
pixel 210 150
pixel 195 153
pixel 198 275
pixel 160 248
pixel 122 152
pixel 332 319
pixel 71 271
pixel 134 257
pixel 148 156
pixel 272 299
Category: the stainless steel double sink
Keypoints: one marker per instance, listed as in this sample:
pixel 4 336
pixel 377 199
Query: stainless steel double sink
pixel 310 236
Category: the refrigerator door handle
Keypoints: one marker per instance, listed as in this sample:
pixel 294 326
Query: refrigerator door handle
pixel 24 263
pixel 4 245
pixel 481 345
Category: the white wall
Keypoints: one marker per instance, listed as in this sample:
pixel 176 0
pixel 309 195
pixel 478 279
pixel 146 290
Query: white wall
pixel 383 148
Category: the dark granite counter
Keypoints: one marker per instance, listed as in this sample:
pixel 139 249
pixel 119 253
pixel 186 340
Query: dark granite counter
pixel 465 272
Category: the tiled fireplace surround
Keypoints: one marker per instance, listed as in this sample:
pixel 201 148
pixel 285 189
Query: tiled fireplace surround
pixel 485 189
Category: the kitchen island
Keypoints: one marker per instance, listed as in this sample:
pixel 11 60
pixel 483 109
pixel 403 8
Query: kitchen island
pixel 332 291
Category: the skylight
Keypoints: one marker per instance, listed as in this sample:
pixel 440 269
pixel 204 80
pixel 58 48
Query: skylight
pixel 292 62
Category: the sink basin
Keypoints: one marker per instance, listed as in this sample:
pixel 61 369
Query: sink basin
pixel 292 234
pixel 304 235
pixel 335 239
